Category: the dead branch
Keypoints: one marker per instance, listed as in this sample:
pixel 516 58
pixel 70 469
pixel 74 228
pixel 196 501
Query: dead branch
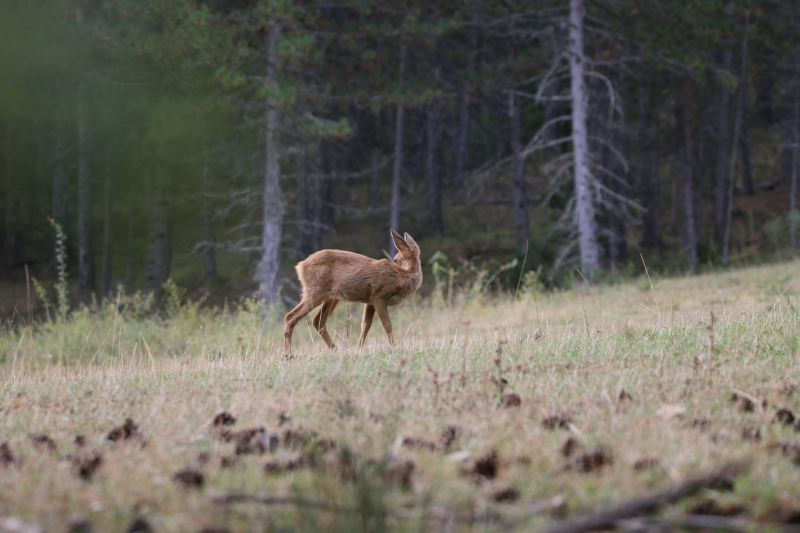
pixel 647 504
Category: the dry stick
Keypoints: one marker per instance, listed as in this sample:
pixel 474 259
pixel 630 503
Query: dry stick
pixel 242 497
pixel 705 522
pixel 647 504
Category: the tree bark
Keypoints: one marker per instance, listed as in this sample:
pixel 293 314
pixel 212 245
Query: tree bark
pixel 687 193
pixel 268 272
pixel 210 252
pixel 748 184
pixel 11 244
pixel 584 205
pixel 159 235
pixel 397 170
pixel 721 203
pixel 432 169
pixel 648 183
pixel 105 285
pixel 461 141
pixel 519 192
pixel 795 148
pixel 85 257
pixel 375 186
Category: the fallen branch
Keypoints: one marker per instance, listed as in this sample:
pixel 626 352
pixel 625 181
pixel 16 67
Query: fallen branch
pixel 242 497
pixel 648 504
pixel 705 523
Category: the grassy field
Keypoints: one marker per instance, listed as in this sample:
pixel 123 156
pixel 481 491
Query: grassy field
pixel 493 414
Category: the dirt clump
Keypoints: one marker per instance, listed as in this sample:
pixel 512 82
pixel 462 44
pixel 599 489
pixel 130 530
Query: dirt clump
pixel 7 456
pixel 228 461
pixel 590 461
pixel 280 467
pixel 419 444
pixel 646 463
pixel 44 443
pixel 252 441
pixel 751 433
pixel 450 437
pixel 223 419
pixel 140 525
pixel 709 506
pixel 214 529
pixel 189 478
pixel 511 399
pixel 624 396
pixel 128 431
pixel 487 466
pixel 557 421
pixel 79 525
pixel 507 493
pixel 87 465
pixel 744 403
pixel 298 438
pixel 80 441
pixel 399 470
pixel 570 446
pixel 789 450
pixel 283 418
pixel 701 424
pixel 784 416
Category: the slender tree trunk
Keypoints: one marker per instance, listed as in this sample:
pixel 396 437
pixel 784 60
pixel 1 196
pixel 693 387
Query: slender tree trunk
pixel 520 194
pixel 747 166
pixel 85 257
pixel 795 149
pixel 397 170
pixel 268 273
pixel 584 205
pixel 129 255
pixel 59 207
pixel 375 187
pixel 461 140
pixel 105 288
pixel 734 146
pixel 687 193
pixel 648 183
pixel 210 253
pixel 721 204
pixel 432 169
pixel 11 244
pixel 159 235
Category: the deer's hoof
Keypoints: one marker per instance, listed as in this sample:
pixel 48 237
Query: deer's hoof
pixel 288 356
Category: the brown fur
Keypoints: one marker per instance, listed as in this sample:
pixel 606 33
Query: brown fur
pixel 331 276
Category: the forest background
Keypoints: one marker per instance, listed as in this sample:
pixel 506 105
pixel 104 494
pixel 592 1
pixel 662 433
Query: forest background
pixel 218 142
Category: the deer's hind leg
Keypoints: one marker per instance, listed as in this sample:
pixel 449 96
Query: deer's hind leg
pixel 366 323
pixel 383 314
pixel 290 321
pixel 321 319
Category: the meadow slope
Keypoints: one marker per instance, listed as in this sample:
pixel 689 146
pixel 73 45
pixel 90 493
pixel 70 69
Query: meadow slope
pixel 494 414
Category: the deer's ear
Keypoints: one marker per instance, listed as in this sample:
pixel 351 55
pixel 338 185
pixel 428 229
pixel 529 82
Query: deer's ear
pixel 411 242
pixel 400 244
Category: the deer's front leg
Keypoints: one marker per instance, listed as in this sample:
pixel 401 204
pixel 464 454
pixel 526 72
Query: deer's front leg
pixel 383 314
pixel 366 323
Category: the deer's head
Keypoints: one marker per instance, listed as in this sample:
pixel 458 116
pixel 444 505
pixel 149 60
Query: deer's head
pixel 407 256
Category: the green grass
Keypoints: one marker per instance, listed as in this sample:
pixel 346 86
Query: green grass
pixel 173 373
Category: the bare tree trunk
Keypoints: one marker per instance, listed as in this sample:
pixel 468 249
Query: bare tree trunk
pixel 159 235
pixel 105 285
pixel 687 193
pixel 375 188
pixel 397 170
pixel 550 112
pixel 734 145
pixel 520 194
pixel 129 257
pixel 11 244
pixel 59 208
pixel 721 204
pixel 85 258
pixel 461 140
pixel 648 183
pixel 584 205
pixel 795 149
pixel 210 253
pixel 432 169
pixel 268 272
pixel 747 166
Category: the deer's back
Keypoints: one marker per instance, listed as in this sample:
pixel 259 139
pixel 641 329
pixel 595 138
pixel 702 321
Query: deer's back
pixel 347 276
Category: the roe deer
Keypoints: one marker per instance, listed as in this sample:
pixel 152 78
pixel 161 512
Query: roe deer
pixel 331 276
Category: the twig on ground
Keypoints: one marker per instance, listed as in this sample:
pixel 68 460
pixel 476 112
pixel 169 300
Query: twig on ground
pixel 226 498
pixel 647 504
